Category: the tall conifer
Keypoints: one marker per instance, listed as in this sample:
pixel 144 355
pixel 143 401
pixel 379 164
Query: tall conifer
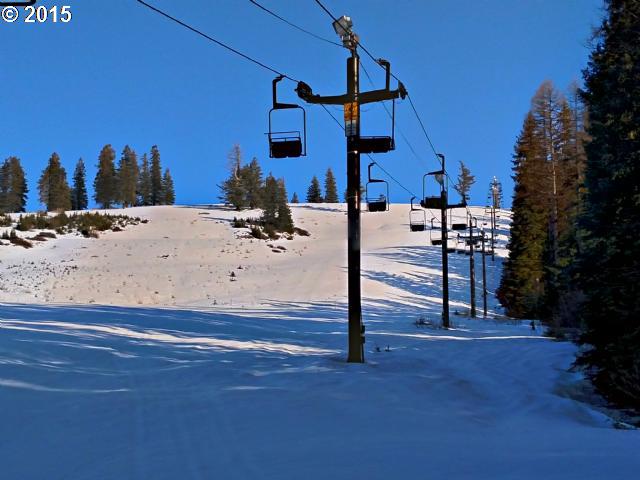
pixel 144 182
pixel 314 194
pixel 330 188
pixel 79 198
pixel 156 177
pixel 169 194
pixel 13 186
pixel 105 185
pixel 127 176
pixel 465 181
pixel 53 188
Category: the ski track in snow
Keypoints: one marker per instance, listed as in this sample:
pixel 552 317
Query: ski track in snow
pixel 255 385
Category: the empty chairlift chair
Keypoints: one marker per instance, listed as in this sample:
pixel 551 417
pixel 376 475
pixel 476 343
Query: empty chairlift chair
pixel 431 202
pixel 417 218
pixel 383 144
pixel 286 144
pixel 377 200
pixel 458 225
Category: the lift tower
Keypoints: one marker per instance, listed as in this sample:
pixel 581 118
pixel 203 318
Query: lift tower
pixel 356 145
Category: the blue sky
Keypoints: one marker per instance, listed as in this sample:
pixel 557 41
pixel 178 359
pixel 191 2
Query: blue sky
pixel 121 74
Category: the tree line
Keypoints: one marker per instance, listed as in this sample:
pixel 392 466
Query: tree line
pixel 574 252
pixel 130 183
pixel 246 188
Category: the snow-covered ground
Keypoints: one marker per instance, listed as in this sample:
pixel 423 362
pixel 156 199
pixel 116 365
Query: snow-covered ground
pixel 138 355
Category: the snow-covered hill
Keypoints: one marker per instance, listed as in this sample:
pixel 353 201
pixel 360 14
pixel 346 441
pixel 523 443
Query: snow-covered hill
pixel 138 355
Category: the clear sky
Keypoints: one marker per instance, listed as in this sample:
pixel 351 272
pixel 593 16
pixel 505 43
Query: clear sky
pixel 120 74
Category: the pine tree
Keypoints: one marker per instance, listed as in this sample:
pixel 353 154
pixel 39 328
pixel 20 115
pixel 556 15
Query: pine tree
pixel 272 194
pixel 105 185
pixel 156 177
pixel 522 286
pixel 53 188
pixel 294 198
pixel 330 188
pixel 144 182
pixel 285 220
pixel 13 186
pixel 233 192
pixel 465 181
pixel 168 188
pixel 127 177
pixel 314 194
pixel 252 184
pixel 608 267
pixel 79 198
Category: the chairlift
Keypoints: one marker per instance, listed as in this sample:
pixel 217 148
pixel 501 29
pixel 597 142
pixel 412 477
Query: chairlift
pixel 431 202
pixel 458 225
pixel 383 144
pixel 286 144
pixel 417 218
pixel 379 203
pixel 437 240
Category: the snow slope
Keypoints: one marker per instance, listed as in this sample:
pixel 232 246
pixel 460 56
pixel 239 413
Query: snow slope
pixel 213 378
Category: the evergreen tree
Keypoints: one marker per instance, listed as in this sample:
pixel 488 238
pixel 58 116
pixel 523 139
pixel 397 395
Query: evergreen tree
pixel 252 184
pixel 13 186
pixel 314 194
pixel 465 181
pixel 105 185
pixel 54 190
pixel 276 214
pixel 127 177
pixel 285 220
pixel 144 182
pixel 233 192
pixel 294 198
pixel 156 177
pixel 272 194
pixel 522 286
pixel 168 188
pixel 330 188
pixel 79 198
pixel 608 267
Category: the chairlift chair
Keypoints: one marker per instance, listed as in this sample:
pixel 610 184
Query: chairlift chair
pixel 431 202
pixel 381 202
pixel 458 225
pixel 382 144
pixel 417 218
pixel 286 144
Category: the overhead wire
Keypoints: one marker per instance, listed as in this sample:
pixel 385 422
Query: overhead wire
pixel 218 42
pixel 297 27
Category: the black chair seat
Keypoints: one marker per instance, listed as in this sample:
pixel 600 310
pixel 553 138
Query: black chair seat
pixel 375 144
pixel 286 148
pixel 377 206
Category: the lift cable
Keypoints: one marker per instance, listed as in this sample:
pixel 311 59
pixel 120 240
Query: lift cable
pixel 218 42
pixel 272 13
